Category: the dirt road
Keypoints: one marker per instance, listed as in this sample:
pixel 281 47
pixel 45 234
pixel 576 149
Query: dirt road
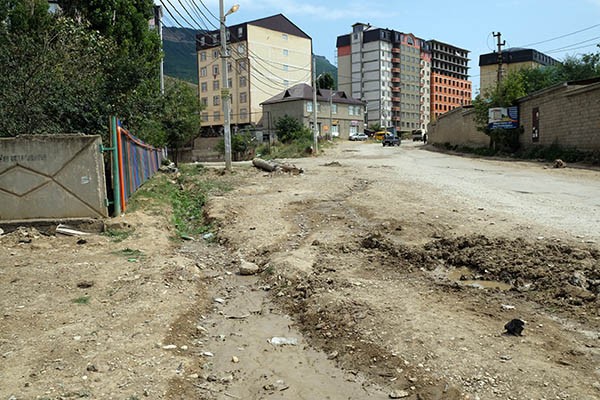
pixel 386 272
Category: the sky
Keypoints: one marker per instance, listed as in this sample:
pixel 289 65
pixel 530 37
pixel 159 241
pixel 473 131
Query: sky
pixel 556 28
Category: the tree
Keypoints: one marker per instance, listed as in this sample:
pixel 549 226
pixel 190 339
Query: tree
pixel 573 68
pixel 511 88
pixel 51 71
pixel 180 117
pixel 289 129
pixel 325 81
pixel 137 48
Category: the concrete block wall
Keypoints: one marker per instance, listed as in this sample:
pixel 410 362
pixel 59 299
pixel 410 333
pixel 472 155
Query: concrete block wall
pixel 52 177
pixel 569 116
pixel 457 127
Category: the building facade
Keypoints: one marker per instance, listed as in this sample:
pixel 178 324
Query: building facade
pixel 393 73
pixel 266 56
pixel 507 61
pixel 450 85
pixel 338 115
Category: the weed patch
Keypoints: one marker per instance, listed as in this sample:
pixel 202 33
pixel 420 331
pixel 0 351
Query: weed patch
pixel 82 300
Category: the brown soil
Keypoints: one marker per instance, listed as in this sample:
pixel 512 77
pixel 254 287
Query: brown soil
pixel 380 299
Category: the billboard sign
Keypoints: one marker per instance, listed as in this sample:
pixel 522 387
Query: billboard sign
pixel 503 118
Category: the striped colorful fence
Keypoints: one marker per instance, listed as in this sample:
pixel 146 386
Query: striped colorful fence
pixel 136 163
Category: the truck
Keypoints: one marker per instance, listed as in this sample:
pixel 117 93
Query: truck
pixel 390 140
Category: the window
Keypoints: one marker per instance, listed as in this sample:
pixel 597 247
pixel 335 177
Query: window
pixel 203 87
pixel 350 110
pixel 243 113
pixel 215 70
pixel 229 68
pixel 205 117
pixel 334 108
pixel 215 85
pixel 240 31
pixel 286 67
pixel 217 115
pixel 203 56
pixel 215 53
pixel 216 100
pixel 309 106
pixel 243 97
pixel 241 48
pixel 242 65
pixel 202 41
pixel 285 52
pixel 203 71
pixel 284 36
pixel 229 83
pixel 286 83
pixel 204 101
pixel 242 81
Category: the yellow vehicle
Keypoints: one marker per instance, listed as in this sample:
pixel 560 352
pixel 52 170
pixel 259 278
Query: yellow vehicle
pixel 380 134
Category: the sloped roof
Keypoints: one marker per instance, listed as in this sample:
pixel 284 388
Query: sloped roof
pixel 302 91
pixel 280 23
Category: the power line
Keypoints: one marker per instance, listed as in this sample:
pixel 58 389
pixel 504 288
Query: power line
pixel 574 44
pixel 561 36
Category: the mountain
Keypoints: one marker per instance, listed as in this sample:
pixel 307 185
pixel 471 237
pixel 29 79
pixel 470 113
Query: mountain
pixel 323 66
pixel 179 45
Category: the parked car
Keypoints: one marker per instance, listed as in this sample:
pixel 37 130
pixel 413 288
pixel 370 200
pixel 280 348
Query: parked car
pixel 418 135
pixel 390 140
pixel 358 136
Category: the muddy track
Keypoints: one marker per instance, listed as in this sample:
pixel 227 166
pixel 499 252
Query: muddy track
pixel 379 292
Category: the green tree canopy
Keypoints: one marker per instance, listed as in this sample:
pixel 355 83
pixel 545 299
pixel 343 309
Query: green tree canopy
pixel 289 129
pixel 325 81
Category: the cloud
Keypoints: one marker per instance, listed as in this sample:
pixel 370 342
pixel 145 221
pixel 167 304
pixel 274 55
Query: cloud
pixel 333 11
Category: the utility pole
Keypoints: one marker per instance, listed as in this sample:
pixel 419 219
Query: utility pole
pixel 315 129
pixel 330 113
pixel 499 44
pixel 158 16
pixel 225 94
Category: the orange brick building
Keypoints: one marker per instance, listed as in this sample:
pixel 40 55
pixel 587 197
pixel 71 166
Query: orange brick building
pixel 450 87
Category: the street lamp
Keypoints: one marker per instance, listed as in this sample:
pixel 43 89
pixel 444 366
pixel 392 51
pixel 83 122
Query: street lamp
pixel 225 95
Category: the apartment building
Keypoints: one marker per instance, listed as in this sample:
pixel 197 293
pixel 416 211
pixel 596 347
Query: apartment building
pixel 266 56
pixel 393 73
pixel 450 85
pixel 509 60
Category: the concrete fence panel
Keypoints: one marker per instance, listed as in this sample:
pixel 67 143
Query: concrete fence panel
pixel 54 176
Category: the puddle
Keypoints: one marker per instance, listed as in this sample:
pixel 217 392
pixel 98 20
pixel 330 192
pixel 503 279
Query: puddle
pixel 463 277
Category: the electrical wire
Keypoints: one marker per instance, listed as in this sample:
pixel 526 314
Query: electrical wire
pixel 561 36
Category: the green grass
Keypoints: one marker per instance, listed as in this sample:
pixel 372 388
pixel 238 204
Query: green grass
pixel 131 253
pixel 82 300
pixel 117 235
pixel 545 153
pixel 296 149
pixel 185 194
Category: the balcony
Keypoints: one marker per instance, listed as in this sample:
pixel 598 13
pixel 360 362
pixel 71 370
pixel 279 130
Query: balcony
pixel 395 60
pixel 396 80
pixel 396 70
pixel 395 89
pixel 396 108
pixel 396 119
pixel 395 49
pixel 396 99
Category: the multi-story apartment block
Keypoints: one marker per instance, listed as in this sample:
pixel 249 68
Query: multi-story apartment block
pixel 450 85
pixel 392 72
pixel 266 56
pixel 509 60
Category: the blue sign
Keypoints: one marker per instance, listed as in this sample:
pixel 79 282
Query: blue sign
pixel 503 118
